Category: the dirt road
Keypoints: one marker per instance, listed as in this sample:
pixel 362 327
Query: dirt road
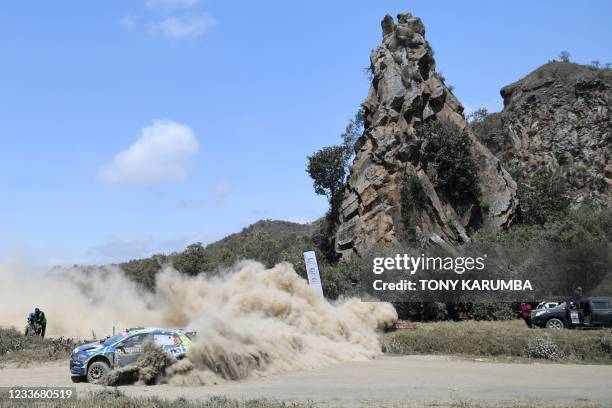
pixel 389 379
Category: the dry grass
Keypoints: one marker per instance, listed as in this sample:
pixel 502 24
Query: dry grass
pixel 503 339
pixel 521 404
pixel 116 399
pixel 17 348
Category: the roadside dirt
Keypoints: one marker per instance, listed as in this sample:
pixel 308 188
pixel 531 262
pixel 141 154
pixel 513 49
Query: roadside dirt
pixel 378 382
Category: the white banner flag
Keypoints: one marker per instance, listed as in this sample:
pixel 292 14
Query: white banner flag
pixel 312 270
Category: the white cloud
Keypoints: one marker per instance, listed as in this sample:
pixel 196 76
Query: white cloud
pixel 186 27
pixel 160 154
pixel 171 4
pixel 176 19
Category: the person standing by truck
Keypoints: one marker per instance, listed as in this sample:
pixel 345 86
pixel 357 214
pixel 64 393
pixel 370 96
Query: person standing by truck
pixel 578 293
pixel 525 312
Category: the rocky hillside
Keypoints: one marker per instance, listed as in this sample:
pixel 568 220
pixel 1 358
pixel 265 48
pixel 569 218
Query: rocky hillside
pixel 558 117
pixel 399 153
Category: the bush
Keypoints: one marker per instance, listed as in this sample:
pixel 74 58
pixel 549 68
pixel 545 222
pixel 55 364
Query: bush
pixel 543 347
pixel 584 224
pixel 542 195
pixel 16 347
pixel 446 153
pixel 493 311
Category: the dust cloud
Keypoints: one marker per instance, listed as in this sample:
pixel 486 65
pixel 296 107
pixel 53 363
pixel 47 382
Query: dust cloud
pixel 250 321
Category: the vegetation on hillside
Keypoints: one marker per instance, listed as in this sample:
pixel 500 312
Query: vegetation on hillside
pixel 267 241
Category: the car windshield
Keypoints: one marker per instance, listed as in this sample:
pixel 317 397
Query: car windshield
pixel 544 305
pixel 112 340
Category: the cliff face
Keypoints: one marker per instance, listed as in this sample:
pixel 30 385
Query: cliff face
pixel 558 117
pixel 405 93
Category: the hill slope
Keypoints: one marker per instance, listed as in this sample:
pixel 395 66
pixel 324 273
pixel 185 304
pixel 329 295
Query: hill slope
pixel 557 118
pixel 266 241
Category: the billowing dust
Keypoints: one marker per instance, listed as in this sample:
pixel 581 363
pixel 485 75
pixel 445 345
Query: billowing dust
pixel 250 321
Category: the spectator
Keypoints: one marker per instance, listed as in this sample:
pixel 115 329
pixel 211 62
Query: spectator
pixel 525 311
pixel 578 292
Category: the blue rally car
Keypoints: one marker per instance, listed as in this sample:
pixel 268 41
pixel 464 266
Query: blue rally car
pixel 94 361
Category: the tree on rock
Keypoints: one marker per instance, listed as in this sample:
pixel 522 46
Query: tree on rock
pixel 564 56
pixel 327 167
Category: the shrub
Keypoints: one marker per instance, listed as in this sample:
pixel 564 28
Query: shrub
pixel 448 150
pixel 16 347
pixel 543 347
pixel 542 195
pixel 493 311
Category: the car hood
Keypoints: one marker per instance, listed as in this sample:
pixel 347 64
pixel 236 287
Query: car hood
pixel 89 347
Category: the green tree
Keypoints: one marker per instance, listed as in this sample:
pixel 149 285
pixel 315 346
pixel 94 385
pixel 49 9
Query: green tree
pixel 193 260
pixel 564 56
pixel 353 131
pixel 478 116
pixel 542 195
pixel 448 150
pixel 327 168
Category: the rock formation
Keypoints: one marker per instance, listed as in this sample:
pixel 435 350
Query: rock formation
pixel 558 117
pixel 406 91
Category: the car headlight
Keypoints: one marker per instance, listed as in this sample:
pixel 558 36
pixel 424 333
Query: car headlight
pixel 540 313
pixel 81 357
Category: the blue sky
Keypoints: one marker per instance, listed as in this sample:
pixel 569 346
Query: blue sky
pixel 136 127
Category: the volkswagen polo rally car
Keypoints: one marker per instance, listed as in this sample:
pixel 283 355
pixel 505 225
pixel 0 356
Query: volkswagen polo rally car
pixel 94 361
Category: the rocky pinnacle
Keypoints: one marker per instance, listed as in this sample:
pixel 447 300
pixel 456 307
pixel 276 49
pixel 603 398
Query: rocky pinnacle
pixel 405 92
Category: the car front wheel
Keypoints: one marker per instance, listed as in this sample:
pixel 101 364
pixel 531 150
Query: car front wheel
pixel 97 371
pixel 555 323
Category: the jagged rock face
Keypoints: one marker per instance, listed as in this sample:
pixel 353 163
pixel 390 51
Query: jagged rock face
pixel 406 91
pixel 559 117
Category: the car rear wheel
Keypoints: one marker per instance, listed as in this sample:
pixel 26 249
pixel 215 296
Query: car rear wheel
pixel 555 323
pixel 97 371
